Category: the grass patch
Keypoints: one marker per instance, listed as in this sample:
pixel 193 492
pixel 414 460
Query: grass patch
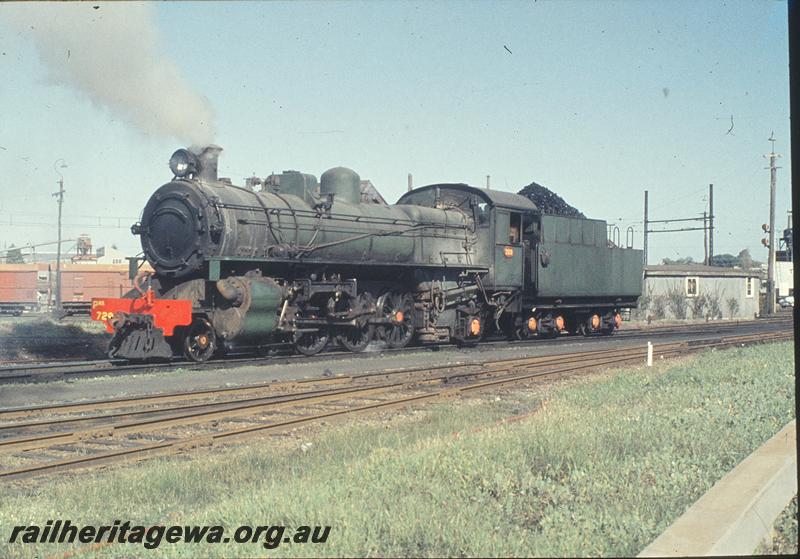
pixel 784 533
pixel 602 468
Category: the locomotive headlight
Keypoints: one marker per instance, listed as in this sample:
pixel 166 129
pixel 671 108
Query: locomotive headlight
pixel 183 163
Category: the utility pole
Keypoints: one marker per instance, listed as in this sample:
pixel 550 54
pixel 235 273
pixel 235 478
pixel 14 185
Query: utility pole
pixel 488 178
pixel 710 223
pixel 60 197
pixel 706 260
pixel 410 182
pixel 645 228
pixel 773 173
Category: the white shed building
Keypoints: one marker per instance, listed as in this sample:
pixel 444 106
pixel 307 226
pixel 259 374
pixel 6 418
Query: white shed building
pixel 697 291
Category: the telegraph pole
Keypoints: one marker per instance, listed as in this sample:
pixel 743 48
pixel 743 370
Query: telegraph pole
pixel 60 197
pixel 710 223
pixel 645 228
pixel 773 173
pixel 706 260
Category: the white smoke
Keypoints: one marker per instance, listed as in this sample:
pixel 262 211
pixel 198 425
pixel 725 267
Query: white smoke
pixel 113 54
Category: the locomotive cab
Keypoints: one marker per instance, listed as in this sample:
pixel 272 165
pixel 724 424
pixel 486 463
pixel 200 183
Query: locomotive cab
pixel 503 222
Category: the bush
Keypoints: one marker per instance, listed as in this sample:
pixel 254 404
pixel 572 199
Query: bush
pixel 659 303
pixel 714 304
pixel 698 306
pixel 676 302
pixel 643 305
pixel 733 307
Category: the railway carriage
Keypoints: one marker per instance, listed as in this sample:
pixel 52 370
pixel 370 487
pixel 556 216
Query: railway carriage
pixel 305 263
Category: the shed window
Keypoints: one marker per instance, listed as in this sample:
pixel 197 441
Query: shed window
pixel 748 287
pixel 691 287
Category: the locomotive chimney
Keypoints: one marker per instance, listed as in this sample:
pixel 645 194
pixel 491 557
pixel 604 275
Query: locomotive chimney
pixel 208 159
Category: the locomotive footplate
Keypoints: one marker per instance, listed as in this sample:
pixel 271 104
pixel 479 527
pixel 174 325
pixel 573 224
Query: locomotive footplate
pixel 135 337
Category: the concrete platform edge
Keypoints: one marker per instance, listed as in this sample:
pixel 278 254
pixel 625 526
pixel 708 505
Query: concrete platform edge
pixel 738 512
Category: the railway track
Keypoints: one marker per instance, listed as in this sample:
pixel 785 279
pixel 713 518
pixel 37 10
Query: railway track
pixel 65 370
pixel 57 438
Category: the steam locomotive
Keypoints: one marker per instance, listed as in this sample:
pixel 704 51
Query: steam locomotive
pixel 290 260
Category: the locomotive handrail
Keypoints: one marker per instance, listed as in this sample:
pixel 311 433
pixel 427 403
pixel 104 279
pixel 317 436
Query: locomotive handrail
pixel 294 215
pixel 338 216
pixel 367 235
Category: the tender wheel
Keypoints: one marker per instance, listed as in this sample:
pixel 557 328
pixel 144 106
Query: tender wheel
pixel 357 338
pixel 398 308
pixel 200 341
pixel 311 343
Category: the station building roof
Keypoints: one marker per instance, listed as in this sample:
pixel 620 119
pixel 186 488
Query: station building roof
pixel 687 270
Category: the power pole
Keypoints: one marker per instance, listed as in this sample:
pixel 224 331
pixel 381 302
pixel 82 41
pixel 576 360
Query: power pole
pixel 710 223
pixel 706 261
pixel 60 197
pixel 645 228
pixel 773 173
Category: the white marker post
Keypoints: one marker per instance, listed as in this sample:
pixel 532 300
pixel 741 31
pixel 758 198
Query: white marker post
pixel 649 354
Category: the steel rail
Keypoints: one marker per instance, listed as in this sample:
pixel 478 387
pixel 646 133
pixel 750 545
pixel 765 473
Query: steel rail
pixel 23 372
pixel 231 408
pixel 128 401
pixel 191 442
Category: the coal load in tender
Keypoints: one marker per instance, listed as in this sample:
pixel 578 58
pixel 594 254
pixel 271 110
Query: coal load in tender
pixel 548 201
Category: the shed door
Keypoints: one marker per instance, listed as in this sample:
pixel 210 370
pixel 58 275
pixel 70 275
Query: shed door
pixel 508 253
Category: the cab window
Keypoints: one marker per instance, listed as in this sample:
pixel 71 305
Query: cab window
pixel 515 229
pixel 501 227
pixel 483 214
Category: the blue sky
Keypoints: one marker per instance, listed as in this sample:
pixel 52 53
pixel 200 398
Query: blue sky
pixel 596 100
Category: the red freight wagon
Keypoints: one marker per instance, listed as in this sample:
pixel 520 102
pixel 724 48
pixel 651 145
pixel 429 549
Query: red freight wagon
pixel 32 286
pixel 18 288
pixel 81 282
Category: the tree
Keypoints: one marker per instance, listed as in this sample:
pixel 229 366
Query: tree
pixel 677 261
pixel 746 261
pixel 724 260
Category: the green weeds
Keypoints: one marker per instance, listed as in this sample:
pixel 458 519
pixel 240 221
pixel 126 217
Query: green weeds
pixel 601 468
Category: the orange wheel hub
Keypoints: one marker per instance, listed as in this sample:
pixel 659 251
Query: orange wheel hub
pixel 532 324
pixel 475 326
pixel 560 323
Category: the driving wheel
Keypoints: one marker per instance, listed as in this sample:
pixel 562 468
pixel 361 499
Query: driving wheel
pixel 398 308
pixel 311 343
pixel 356 338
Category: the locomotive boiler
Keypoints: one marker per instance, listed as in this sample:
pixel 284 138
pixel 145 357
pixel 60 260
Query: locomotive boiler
pixel 292 260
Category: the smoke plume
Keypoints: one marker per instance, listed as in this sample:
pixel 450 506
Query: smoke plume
pixel 112 53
